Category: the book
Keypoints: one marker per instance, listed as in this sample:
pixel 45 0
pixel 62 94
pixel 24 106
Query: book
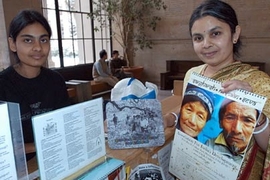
pixel 213 143
pixel 70 141
pixel 115 169
pixel 134 123
pixel 12 162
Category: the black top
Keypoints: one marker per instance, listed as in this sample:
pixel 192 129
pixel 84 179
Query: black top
pixel 37 95
pixel 115 67
pixel 117 64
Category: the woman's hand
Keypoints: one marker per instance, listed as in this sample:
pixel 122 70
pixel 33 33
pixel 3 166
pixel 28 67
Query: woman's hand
pixel 235 84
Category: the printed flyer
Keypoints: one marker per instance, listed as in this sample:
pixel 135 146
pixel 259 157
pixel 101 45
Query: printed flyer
pixel 7 162
pixel 213 130
pixel 147 172
pixel 69 139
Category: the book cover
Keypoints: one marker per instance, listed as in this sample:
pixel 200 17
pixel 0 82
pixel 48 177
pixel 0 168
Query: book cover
pixel 213 130
pixel 134 123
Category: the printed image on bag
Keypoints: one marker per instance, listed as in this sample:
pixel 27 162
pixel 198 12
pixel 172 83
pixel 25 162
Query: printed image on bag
pixel 134 123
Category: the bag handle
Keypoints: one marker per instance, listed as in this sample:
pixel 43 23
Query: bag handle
pixel 130 81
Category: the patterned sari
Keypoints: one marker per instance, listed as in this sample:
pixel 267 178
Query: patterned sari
pixel 256 164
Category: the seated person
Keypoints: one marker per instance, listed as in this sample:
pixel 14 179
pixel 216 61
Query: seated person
pixel 35 88
pixel 116 65
pixel 101 71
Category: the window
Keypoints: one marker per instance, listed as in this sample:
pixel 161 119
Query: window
pixel 74 40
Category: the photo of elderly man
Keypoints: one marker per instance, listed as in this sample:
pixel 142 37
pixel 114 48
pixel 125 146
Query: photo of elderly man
pixel 238 122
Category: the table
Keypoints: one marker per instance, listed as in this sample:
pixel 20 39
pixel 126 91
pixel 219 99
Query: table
pixel 136 156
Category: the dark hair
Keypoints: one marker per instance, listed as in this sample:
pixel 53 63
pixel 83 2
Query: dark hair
pixel 102 53
pixel 25 18
pixel 223 107
pixel 115 52
pixel 223 12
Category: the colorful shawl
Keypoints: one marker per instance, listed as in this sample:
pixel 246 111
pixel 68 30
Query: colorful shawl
pixel 256 164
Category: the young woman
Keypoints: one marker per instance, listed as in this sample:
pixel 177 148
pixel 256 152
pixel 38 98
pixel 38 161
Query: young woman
pixel 36 88
pixel 215 34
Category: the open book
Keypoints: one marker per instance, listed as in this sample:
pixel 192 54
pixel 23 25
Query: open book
pixel 213 131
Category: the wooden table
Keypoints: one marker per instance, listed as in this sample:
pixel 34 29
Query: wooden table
pixel 134 157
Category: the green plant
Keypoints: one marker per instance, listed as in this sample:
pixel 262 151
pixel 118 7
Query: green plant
pixel 131 20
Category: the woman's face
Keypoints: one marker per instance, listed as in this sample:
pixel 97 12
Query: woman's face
pixel 193 118
pixel 213 41
pixel 32 45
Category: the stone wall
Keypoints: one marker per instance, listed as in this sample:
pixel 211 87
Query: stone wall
pixel 172 40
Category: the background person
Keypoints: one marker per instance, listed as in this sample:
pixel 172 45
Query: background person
pixel 238 122
pixel 36 88
pixel 116 65
pixel 101 71
pixel 215 34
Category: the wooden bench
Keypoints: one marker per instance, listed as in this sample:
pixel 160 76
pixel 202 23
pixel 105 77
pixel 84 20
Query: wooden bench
pixel 176 70
pixel 83 74
pixel 100 88
pixel 72 94
pixel 86 90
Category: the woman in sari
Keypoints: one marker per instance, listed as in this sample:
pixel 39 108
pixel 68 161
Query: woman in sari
pixel 215 34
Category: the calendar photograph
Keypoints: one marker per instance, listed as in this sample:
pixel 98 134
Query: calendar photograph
pixel 213 131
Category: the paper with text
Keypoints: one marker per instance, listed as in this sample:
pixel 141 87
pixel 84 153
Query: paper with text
pixel 147 172
pixel 7 162
pixel 215 151
pixel 68 139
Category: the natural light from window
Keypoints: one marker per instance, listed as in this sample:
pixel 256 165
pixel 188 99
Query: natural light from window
pixel 80 44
